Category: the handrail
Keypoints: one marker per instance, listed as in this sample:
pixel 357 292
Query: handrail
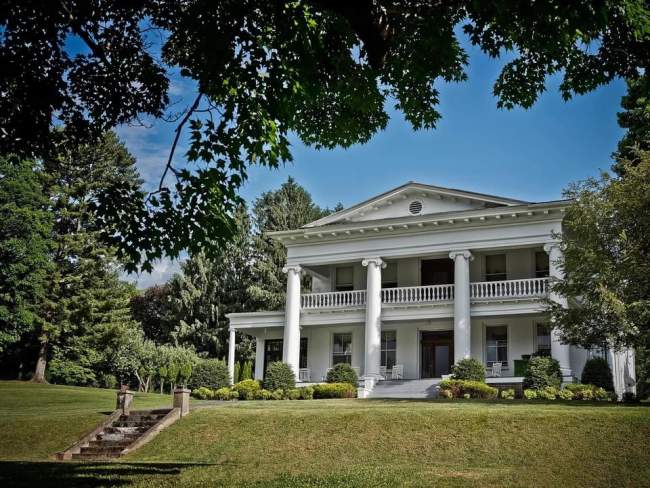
pixel 523 288
pixel 418 294
pixel 334 299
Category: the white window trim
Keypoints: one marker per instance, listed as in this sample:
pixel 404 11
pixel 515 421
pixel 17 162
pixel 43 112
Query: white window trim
pixel 510 364
pixel 331 355
pixel 382 350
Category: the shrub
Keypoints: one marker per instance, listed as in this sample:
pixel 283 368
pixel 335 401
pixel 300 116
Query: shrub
pixel 542 372
pixel 597 372
pixel 223 394
pixel 234 395
pixel 565 394
pixel 211 373
pixel 293 394
pixel 246 389
pixel 108 381
pixel 247 371
pixel 343 373
pixel 277 395
pixel 468 369
pixel 601 394
pixel 548 393
pixel 588 392
pixel 530 394
pixel 307 393
pixel 203 393
pixel 508 394
pixel 446 394
pixel 475 389
pixel 335 390
pixel 279 375
pixel 263 395
pixel 630 397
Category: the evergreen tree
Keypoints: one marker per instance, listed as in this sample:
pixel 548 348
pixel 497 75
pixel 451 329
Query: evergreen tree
pixel 289 207
pixel 635 117
pixel 152 308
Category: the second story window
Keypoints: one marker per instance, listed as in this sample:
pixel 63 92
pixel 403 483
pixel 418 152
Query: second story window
pixel 389 276
pixel 495 267
pixel 344 278
pixel 541 264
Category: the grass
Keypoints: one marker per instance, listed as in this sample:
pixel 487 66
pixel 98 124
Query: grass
pixel 347 443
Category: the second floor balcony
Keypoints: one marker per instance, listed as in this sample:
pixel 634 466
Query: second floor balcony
pixel 520 289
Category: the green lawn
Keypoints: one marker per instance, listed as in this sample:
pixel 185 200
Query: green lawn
pixel 340 443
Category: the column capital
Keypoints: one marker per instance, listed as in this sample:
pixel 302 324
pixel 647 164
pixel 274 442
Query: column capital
pixel 464 253
pixel 377 261
pixel 296 268
pixel 549 247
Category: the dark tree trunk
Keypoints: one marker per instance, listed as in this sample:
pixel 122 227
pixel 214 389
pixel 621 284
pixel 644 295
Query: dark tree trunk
pixel 41 363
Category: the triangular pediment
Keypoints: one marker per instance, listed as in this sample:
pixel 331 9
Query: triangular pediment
pixel 414 199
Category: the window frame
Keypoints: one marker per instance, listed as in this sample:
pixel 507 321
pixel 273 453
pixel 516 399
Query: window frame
pixel 385 350
pixel 536 336
pixel 333 353
pixel 347 286
pixel 504 363
pixel 303 358
pixel 538 272
pixel 496 276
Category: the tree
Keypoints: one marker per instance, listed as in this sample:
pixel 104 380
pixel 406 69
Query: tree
pixel 289 207
pixel 606 247
pixel 152 308
pixel 635 117
pixel 25 227
pixel 326 71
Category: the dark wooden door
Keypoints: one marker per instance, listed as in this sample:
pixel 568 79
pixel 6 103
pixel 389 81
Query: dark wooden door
pixel 437 353
pixel 436 272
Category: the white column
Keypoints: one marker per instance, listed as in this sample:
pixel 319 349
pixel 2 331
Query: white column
pixel 259 358
pixel 291 343
pixel 559 351
pixel 373 316
pixel 462 316
pixel 231 355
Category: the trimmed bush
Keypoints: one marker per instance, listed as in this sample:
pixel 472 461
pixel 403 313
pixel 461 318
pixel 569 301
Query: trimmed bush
pixel 565 394
pixel 202 393
pixel 211 373
pixel 277 395
pixel 246 389
pixel 597 372
pixel 542 372
pixel 107 381
pixel 342 373
pixel 588 392
pixel 223 394
pixel 279 375
pixel 475 389
pixel 468 369
pixel 263 395
pixel 530 394
pixel 307 393
pixel 335 390
pixel 293 394
pixel 548 393
pixel 247 371
pixel 508 394
pixel 446 394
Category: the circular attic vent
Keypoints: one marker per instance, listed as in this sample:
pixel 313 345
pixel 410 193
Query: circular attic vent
pixel 415 207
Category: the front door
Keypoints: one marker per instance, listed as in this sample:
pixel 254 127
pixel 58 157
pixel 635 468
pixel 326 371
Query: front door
pixel 437 353
pixel 272 352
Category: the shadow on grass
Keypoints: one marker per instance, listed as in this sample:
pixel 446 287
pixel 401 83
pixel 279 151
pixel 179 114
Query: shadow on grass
pixel 93 474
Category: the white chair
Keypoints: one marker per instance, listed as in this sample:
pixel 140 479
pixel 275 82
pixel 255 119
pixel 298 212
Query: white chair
pixel 496 370
pixel 397 373
pixel 383 372
pixel 326 371
pixel 304 375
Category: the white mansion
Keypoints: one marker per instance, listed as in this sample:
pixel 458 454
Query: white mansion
pixel 415 279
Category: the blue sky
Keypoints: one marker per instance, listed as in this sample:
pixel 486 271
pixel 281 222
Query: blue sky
pixel 526 154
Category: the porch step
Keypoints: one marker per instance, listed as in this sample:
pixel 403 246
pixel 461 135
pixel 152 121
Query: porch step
pixel 425 388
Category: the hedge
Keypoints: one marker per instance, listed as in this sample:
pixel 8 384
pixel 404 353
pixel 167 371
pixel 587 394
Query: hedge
pixel 597 372
pixel 335 390
pixel 279 376
pixel 210 373
pixel 342 373
pixel 468 369
pixel 467 389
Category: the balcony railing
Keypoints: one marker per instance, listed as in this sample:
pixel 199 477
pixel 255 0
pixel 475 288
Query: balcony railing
pixel 485 290
pixel 526 288
pixel 334 299
pixel 418 294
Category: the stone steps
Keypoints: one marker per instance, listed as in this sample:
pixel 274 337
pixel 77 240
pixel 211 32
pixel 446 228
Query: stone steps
pixel 424 388
pixel 119 435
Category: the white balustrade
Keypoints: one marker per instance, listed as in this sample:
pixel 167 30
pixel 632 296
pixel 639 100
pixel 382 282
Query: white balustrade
pixel 524 288
pixel 334 299
pixel 418 294
pixel 484 290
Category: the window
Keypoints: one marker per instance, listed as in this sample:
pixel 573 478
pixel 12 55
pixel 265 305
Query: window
pixel 342 349
pixel 389 276
pixel 344 281
pixel 541 264
pixel 272 352
pixel 303 353
pixel 495 267
pixel 388 348
pixel 496 344
pixel 543 339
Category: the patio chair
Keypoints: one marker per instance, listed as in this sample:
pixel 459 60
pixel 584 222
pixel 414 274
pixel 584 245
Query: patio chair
pixel 382 372
pixel 496 370
pixel 397 373
pixel 326 371
pixel 304 375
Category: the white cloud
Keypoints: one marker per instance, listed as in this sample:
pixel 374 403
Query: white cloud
pixel 162 271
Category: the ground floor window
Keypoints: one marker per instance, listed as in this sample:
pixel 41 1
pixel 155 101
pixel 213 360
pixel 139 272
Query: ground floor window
pixel 303 353
pixel 342 349
pixel 272 351
pixel 496 344
pixel 543 339
pixel 388 348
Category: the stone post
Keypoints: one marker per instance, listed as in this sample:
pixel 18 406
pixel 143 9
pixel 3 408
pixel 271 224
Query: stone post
pixel 291 342
pixel 373 317
pixel 462 314
pixel 182 400
pixel 124 400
